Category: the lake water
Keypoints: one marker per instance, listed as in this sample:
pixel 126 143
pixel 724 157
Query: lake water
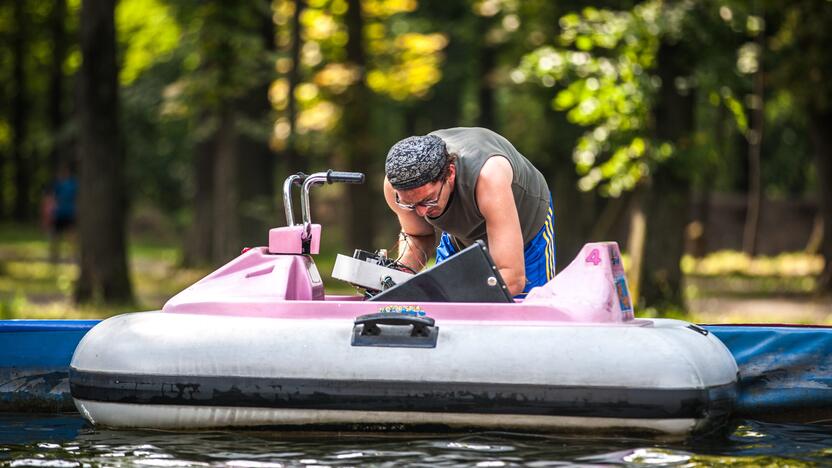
pixel 68 441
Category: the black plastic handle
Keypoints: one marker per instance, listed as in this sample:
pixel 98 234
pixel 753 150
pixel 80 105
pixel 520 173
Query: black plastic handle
pixel 345 177
pixel 421 325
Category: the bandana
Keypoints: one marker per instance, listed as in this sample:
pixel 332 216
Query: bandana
pixel 415 161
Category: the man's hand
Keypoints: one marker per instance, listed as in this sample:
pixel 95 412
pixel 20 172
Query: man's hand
pixel 505 238
pixel 418 240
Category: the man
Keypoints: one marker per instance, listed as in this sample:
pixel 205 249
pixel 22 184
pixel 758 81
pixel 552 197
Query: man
pixel 472 184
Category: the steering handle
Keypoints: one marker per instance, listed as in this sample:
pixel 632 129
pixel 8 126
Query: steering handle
pixel 345 177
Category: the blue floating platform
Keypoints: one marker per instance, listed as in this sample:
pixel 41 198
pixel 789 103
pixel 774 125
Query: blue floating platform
pixel 34 363
pixel 785 370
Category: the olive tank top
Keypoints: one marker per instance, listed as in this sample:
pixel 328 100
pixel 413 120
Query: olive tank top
pixel 462 219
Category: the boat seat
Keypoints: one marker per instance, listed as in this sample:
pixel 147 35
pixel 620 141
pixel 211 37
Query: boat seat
pixel 468 276
pixel 593 288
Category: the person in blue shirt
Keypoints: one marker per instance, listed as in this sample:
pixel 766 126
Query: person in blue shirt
pixel 60 210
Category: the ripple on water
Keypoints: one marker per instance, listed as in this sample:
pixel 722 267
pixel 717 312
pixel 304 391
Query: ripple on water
pixel 39 462
pixel 40 441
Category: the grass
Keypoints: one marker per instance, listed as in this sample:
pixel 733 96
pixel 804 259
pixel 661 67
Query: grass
pixel 33 287
pixel 734 274
pixel 731 287
pixel 722 287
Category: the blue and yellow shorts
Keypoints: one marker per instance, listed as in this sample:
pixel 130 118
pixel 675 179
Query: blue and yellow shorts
pixel 539 253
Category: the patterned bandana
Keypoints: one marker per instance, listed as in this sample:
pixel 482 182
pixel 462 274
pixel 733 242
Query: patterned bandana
pixel 415 161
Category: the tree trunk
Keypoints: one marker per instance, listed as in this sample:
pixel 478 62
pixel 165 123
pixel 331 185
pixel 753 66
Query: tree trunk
pixel 667 201
pixel 291 157
pixel 570 205
pixel 486 93
pixel 56 83
pixel 226 243
pixel 3 162
pixel 635 243
pixel 755 144
pixel 215 233
pixel 359 144
pixel 488 63
pixel 258 211
pixel 444 105
pixel 666 209
pixel 102 194
pixel 575 211
pixel 20 117
pixel 819 125
pixel 199 241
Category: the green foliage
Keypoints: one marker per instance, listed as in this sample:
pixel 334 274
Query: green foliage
pixel 403 63
pixel 12 307
pixel 597 65
pixel 603 60
pixel 182 62
pixel 799 43
pixel 602 67
pixel 157 141
pixel 222 55
pixel 147 32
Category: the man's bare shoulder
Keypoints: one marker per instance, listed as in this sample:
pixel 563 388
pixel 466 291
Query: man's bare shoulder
pixel 494 187
pixel 496 172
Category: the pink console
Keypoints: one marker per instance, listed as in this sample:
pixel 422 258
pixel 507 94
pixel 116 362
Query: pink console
pixel 290 239
pixel 254 282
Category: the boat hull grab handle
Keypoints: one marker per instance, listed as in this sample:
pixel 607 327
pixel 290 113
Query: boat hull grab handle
pixel 395 331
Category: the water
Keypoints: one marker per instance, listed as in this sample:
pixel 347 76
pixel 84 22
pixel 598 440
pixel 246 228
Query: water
pixel 67 441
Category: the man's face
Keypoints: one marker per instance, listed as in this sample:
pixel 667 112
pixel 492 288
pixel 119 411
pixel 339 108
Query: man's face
pixel 426 200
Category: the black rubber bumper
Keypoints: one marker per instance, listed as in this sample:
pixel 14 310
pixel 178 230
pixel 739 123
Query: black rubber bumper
pixel 447 397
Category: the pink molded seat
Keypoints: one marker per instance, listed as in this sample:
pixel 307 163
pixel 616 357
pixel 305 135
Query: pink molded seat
pixel 592 288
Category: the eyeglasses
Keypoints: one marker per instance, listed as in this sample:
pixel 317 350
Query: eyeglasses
pixel 424 204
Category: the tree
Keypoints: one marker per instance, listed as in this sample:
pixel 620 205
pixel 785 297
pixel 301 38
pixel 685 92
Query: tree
pixel 628 75
pixel 799 43
pixel 667 200
pixel 821 122
pixel 102 197
pixel 232 165
pixel 20 116
pixel 358 142
pixel 57 116
pixel 291 154
pixel 256 158
pixel 443 106
pixel 355 75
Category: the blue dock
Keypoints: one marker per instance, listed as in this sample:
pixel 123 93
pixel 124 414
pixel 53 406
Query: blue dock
pixel 34 363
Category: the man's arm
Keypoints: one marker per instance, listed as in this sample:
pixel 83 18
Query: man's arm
pixel 505 238
pixel 419 240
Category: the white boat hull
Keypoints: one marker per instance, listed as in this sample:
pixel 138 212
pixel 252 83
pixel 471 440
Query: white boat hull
pixel 176 371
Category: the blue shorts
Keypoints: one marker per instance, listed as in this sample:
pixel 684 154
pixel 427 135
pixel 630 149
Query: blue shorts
pixel 539 253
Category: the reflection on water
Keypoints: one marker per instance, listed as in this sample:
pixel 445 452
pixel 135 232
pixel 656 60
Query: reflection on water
pixel 67 441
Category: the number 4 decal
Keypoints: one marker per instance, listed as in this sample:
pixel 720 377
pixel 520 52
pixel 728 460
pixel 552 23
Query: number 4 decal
pixel 594 257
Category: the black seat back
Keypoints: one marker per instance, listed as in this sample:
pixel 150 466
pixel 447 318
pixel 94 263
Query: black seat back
pixel 468 276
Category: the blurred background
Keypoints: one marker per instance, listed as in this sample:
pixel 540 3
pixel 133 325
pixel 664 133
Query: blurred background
pixel 144 142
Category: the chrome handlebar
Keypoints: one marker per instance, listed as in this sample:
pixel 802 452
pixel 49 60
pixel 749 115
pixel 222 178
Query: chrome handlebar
pixel 307 182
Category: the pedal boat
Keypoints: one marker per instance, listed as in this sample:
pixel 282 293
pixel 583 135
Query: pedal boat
pixel 258 343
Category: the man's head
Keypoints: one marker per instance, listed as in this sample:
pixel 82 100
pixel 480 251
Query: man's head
pixel 418 169
pixel 416 161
